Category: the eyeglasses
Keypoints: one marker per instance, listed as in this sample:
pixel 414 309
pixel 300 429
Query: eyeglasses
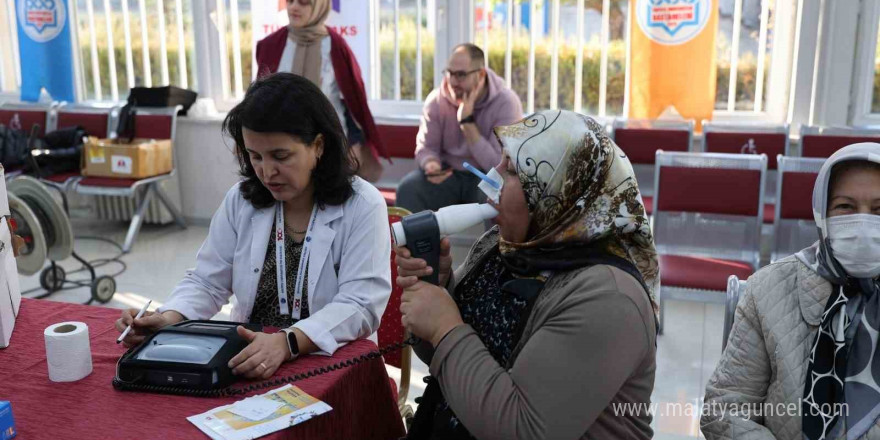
pixel 459 75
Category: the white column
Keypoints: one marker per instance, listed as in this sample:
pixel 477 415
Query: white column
pixel 129 59
pixel 836 63
pixel 145 43
pixel 111 51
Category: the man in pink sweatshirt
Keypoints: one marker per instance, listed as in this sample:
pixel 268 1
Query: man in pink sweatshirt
pixel 456 127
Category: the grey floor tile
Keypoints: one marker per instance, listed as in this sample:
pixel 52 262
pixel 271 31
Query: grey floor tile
pixel 677 384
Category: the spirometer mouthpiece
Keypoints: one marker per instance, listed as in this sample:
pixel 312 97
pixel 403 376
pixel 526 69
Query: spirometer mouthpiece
pixel 449 220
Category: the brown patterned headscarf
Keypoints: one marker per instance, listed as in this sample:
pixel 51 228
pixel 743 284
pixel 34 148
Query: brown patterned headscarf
pixel 307 60
pixel 582 195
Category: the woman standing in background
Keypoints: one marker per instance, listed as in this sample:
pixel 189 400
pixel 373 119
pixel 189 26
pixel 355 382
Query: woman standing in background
pixel 307 47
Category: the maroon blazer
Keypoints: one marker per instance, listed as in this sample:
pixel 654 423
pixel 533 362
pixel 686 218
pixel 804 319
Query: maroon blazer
pixel 348 78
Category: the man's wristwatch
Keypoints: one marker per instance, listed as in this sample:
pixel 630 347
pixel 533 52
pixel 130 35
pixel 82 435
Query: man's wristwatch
pixel 468 120
pixel 292 345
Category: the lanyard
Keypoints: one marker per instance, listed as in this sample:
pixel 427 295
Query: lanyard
pixel 281 263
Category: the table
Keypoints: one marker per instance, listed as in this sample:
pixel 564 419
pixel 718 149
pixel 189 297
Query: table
pixel 363 406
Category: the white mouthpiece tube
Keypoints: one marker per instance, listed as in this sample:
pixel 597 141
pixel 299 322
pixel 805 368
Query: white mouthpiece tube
pixel 452 220
pixel 456 218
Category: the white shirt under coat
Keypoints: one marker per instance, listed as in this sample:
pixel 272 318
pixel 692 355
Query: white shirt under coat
pixel 349 272
pixel 328 75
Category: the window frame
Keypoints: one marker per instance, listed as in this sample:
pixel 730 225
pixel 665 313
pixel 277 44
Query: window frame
pixel 453 25
pixel 863 76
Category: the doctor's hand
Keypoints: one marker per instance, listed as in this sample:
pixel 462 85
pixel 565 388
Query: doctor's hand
pixel 263 355
pixel 145 325
pixel 428 311
pixel 407 266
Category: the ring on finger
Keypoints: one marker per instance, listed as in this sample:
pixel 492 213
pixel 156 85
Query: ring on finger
pixel 264 366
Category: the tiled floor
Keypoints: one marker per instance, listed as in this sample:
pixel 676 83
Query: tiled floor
pixel 686 354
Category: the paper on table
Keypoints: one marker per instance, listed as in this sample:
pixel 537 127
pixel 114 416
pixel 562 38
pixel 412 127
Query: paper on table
pixel 296 407
pixel 255 408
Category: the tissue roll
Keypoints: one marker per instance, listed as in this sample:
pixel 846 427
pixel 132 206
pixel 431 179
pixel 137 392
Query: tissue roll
pixel 68 352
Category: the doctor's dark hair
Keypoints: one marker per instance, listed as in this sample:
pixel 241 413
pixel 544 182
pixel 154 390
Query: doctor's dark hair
pixel 288 103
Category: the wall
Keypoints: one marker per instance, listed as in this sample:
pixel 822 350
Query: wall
pixel 206 166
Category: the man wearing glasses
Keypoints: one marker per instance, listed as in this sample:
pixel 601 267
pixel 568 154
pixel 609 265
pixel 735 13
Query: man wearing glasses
pixel 456 127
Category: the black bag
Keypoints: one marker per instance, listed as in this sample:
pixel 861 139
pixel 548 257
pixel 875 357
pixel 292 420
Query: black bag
pixel 125 127
pixel 168 96
pixel 14 147
pixel 61 153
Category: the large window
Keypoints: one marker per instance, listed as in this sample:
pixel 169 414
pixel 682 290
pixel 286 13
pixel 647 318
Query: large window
pixel 865 99
pixel 568 54
pixel 875 96
pixel 581 66
pixel 406 49
pixel 128 43
pixel 743 52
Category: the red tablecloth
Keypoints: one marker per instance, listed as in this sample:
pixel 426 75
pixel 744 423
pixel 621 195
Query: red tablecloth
pixel 91 408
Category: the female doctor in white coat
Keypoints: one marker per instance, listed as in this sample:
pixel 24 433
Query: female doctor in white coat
pixel 299 193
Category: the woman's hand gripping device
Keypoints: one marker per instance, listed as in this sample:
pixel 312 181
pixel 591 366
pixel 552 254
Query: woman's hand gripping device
pixel 421 232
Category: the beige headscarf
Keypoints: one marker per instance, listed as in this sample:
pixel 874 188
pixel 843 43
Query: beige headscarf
pixel 582 195
pixel 307 61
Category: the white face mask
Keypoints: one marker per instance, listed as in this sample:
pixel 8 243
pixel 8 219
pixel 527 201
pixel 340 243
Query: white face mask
pixel 489 190
pixel 855 242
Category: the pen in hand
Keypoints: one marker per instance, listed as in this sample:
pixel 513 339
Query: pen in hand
pixel 139 314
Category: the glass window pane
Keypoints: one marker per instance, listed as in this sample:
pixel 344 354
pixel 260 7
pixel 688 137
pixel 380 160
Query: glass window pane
pixel 875 99
pixel 748 53
pixel 616 58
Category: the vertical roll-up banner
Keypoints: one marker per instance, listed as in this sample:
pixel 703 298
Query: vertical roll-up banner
pixel 44 48
pixel 672 58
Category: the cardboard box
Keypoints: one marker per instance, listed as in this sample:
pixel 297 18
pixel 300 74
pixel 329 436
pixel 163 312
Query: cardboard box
pixel 137 160
pixel 10 292
pixel 7 424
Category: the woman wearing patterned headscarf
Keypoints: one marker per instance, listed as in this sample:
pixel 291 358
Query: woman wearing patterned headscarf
pixel 551 320
pixel 309 48
pixel 800 360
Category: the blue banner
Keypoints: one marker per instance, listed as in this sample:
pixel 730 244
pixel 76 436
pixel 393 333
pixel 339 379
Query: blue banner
pixel 44 48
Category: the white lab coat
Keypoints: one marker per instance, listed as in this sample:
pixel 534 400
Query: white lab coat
pixel 349 272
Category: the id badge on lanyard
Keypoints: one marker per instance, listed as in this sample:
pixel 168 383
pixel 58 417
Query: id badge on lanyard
pixel 281 263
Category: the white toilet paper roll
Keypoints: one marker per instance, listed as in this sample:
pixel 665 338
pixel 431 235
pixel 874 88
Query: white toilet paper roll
pixel 68 352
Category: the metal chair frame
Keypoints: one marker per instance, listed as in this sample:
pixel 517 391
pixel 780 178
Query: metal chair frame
pixel 141 190
pixel 788 164
pixel 750 162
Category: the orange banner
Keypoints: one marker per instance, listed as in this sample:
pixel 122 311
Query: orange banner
pixel 672 58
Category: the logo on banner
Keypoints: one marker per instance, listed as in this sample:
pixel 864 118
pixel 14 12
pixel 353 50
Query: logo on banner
pixel 672 22
pixel 42 20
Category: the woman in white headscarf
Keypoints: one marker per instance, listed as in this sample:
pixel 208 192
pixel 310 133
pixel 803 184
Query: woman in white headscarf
pixel 550 322
pixel 309 48
pixel 800 361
